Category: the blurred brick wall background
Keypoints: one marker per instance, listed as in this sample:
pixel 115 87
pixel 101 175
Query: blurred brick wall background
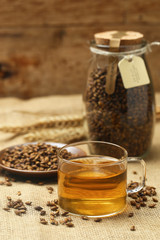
pixel 44 44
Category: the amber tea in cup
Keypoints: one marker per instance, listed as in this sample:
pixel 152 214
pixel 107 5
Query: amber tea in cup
pixel 94 184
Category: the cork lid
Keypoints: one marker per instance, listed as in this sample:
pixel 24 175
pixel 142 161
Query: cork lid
pixel 116 38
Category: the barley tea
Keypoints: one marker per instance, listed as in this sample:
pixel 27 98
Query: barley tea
pixel 92 186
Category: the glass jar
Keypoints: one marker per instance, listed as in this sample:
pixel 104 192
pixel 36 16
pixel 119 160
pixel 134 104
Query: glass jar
pixel 125 116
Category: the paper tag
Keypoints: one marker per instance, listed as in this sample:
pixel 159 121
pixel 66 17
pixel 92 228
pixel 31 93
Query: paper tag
pixel 114 43
pixel 112 67
pixel 133 72
pixel 111 77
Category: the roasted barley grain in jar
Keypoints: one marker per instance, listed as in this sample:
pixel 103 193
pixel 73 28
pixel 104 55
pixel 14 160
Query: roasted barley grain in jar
pixel 119 97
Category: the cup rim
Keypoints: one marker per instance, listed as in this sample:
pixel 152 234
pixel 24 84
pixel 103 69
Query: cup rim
pixel 122 159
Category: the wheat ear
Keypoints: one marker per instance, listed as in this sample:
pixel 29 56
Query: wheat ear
pixel 64 135
pixel 61 121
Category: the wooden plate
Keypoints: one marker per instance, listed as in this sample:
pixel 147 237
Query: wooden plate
pixel 35 174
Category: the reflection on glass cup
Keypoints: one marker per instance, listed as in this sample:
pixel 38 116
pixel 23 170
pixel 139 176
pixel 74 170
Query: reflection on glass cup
pixel 93 181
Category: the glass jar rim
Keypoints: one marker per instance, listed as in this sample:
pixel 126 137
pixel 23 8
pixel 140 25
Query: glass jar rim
pixel 122 159
pixel 99 49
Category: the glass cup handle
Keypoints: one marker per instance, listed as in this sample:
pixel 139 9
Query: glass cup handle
pixel 143 166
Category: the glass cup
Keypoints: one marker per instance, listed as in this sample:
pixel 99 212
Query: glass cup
pixel 93 181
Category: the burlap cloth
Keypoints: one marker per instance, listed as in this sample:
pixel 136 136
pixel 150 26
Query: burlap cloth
pixel 27 227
